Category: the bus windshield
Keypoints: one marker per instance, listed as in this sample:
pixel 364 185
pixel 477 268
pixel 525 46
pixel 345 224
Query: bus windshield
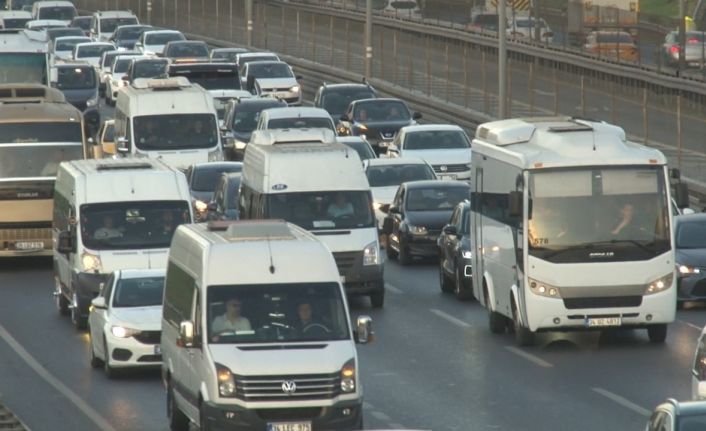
pixel 598 214
pixel 35 160
pixel 323 210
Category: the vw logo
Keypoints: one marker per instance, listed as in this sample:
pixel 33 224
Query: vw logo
pixel 443 168
pixel 289 387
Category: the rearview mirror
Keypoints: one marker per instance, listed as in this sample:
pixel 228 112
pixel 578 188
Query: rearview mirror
pixel 65 242
pixel 186 334
pixel 364 330
pixel 515 204
pixel 681 195
pixel 99 303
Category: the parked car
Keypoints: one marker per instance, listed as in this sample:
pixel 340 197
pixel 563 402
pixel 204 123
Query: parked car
pixel 224 205
pixel 240 119
pixel 416 216
pixel 690 244
pixel 455 254
pixel 673 415
pixel 360 145
pixel 378 119
pixel 615 45
pixel 335 98
pixel 694 51
pixel 124 322
pixel 202 179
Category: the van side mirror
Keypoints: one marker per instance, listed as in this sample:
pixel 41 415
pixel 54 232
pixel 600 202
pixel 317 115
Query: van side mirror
pixel 385 208
pixel 450 229
pixel 99 303
pixel 364 330
pixel 123 145
pixel 65 243
pixel 186 334
pixel 417 116
pixel 681 195
pixel 125 78
pixel 515 204
pixel 387 225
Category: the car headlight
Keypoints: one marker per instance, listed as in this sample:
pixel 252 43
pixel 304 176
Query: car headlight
pixel 376 205
pixel 92 102
pixel 543 289
pixel 467 254
pixel 226 381
pixel 240 145
pixel 200 206
pixel 123 332
pixel 342 131
pixel 417 230
pixel 659 285
pixel 348 376
pixel 295 89
pixel 91 262
pixel 371 254
pixel 685 270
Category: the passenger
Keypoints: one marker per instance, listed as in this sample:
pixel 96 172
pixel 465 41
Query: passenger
pixel 108 230
pixel 167 224
pixel 340 207
pixel 231 320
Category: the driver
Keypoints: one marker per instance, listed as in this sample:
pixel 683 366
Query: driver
pixel 231 320
pixel 340 207
pixel 306 322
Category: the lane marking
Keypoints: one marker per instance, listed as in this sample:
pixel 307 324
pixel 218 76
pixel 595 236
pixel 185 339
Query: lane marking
pixel 690 325
pixel 380 416
pixel 87 410
pixel 622 401
pixel 450 318
pixel 530 357
pixel 396 426
pixel 393 289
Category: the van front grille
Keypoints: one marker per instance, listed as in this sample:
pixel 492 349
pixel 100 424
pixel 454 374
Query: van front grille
pixel 278 388
pixel 345 261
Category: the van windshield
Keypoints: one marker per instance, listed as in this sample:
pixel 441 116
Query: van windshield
pixel 323 210
pixel 75 78
pixel 301 123
pixel 131 225
pixel 276 313
pixel 62 13
pixel 175 131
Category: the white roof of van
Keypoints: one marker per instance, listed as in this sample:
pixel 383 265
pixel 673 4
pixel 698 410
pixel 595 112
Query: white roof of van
pixel 179 98
pixel 296 111
pixel 292 136
pixel 114 14
pixel 53 3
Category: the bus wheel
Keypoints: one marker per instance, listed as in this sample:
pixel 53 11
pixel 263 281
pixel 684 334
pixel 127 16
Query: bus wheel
pixel 496 321
pixel 657 333
pixel 523 336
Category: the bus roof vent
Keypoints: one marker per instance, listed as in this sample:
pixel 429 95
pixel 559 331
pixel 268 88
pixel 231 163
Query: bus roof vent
pixel 175 83
pixel 122 166
pixel 257 230
pixel 29 93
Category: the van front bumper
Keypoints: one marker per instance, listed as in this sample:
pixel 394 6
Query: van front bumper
pixel 231 417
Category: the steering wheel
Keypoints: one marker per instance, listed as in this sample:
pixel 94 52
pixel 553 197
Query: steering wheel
pixel 315 328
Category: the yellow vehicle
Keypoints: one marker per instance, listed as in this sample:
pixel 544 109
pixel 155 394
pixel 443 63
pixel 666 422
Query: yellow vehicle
pixel 38 130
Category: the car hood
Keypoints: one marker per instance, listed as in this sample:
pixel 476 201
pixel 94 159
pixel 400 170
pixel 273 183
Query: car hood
pixel 143 318
pixel 384 195
pixel 441 157
pixel 157 48
pixel 314 358
pixel 691 257
pixel 432 220
pixel 269 83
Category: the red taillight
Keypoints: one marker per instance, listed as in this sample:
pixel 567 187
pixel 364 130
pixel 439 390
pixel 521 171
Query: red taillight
pixel 693 40
pixel 674 49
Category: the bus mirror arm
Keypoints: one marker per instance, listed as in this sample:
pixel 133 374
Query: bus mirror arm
pixel 65 242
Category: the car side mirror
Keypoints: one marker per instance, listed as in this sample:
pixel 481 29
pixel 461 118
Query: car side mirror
pixel 344 117
pixel 450 229
pixel 681 195
pixel 65 242
pixel 364 330
pixel 387 225
pixel 417 116
pixel 385 208
pixel 125 78
pixel 99 303
pixel 515 204
pixel 186 334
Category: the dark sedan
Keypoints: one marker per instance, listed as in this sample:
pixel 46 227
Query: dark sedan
pixel 690 241
pixel 202 179
pixel 416 216
pixel 455 254
pixel 125 36
pixel 224 205
pixel 378 119
pixel 240 121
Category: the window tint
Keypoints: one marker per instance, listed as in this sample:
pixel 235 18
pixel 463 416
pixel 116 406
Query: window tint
pixel 178 295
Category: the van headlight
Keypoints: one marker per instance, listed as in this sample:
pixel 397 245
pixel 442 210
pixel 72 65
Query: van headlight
pixel 91 262
pixel 371 254
pixel 226 381
pixel 123 332
pixel 295 89
pixel 200 206
pixel 659 285
pixel 92 102
pixel 543 289
pixel 348 376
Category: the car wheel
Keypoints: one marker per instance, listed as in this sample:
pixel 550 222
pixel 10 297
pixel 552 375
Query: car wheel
pixel 391 253
pixel 110 372
pixel 62 304
pixel 523 336
pixel 95 362
pixel 444 282
pixel 403 256
pixel 76 318
pixel 177 420
pixel 462 292
pixel 657 333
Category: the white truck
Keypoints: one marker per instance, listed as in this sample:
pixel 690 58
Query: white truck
pixel 584 16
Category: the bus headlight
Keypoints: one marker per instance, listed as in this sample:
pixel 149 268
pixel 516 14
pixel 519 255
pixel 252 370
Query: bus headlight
pixel 348 376
pixel 91 262
pixel 543 289
pixel 371 254
pixel 226 382
pixel 659 285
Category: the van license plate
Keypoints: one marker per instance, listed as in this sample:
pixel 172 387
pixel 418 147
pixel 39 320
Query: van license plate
pixel 603 321
pixel 289 426
pixel 29 245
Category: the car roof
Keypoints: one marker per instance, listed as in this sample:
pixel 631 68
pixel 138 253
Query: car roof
pixel 256 54
pixel 431 127
pixel 165 31
pixel 141 273
pixel 378 100
pixel 82 44
pixel 421 184
pixel 216 166
pixel 186 42
pixel 389 161
pixel 294 111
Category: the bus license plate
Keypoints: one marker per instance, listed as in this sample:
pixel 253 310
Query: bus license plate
pixel 603 321
pixel 29 245
pixel 289 426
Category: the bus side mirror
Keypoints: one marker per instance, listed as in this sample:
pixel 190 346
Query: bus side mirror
pixel 65 243
pixel 675 173
pixel 515 204
pixel 122 145
pixel 364 330
pixel 681 195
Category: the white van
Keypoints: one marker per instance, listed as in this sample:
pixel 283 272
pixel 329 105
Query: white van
pixel 59 10
pixel 109 215
pixel 104 23
pixel 170 119
pixel 295 117
pixel 256 332
pixel 305 177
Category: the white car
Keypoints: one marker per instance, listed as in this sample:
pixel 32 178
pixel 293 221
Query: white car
pixel 523 27
pixel 445 147
pixel 153 41
pixel 114 82
pixel 91 52
pixel 385 176
pixel 124 322
pixel 275 78
pixel 62 48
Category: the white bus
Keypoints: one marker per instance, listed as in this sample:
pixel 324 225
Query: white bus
pixel 571 228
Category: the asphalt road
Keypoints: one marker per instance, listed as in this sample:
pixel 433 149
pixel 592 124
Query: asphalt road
pixel 434 365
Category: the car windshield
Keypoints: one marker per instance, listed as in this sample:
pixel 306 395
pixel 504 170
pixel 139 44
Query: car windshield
pixel 82 23
pixel 109 59
pixel 61 13
pixel 323 210
pixel 121 65
pixel 138 292
pixel 301 123
pixel 620 214
pixel 162 38
pixel 131 225
pixel 436 140
pixel 691 234
pixel 53 33
pixel 126 33
pixel 74 78
pixel 68 45
pixel 364 150
pixel 218 79
pixel 8 23
pixel 394 175
pixel 613 38
pixel 336 101
pixel 175 131
pixel 188 50
pixel 276 313
pixel 93 51
pixel 388 110
pixel 149 68
pixel 435 198
pixel 270 70
pixel 206 178
pixel 108 25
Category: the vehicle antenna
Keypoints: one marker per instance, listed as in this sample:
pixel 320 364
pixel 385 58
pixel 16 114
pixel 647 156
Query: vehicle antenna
pixel 272 263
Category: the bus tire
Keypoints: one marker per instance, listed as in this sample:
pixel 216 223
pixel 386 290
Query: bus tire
pixel 523 336
pixel 496 321
pixel 657 333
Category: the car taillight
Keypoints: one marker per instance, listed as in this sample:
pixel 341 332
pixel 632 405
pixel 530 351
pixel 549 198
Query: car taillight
pixel 693 40
pixel 674 49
